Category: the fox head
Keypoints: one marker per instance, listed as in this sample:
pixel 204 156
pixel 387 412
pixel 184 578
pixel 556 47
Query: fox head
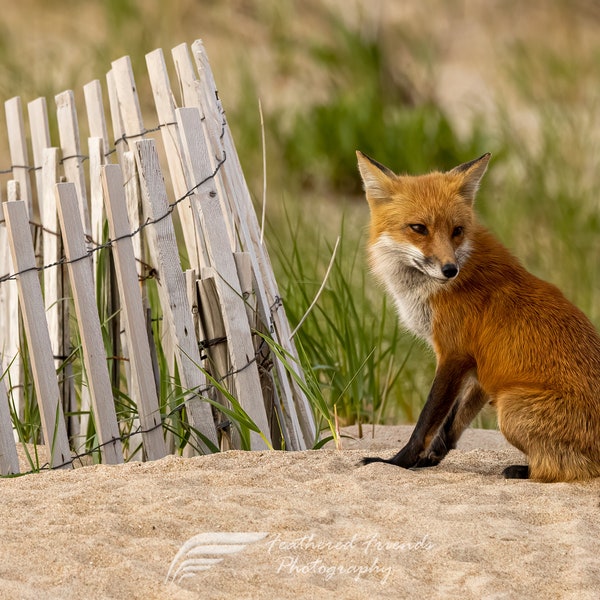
pixel 424 221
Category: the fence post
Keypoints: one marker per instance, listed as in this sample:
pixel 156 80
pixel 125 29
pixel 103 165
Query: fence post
pixel 13 361
pixel 40 139
pixel 172 290
pixel 115 114
pixel 72 159
pixel 213 329
pixel 18 150
pixel 131 301
pixel 165 109
pixel 95 111
pixel 36 329
pixel 79 264
pixel 18 188
pixel 130 115
pixel 264 357
pixel 56 290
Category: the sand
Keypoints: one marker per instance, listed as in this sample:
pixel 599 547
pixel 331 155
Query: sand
pixel 322 528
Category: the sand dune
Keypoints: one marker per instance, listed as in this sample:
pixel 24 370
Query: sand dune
pixel 322 527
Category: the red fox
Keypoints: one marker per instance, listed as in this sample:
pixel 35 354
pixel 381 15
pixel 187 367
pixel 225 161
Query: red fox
pixel 500 334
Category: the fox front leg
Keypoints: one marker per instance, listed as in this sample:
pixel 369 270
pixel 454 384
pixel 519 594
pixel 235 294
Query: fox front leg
pixel 442 398
pixel 471 400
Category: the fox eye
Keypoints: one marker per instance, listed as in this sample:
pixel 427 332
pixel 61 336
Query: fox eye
pixel 419 228
pixel 457 231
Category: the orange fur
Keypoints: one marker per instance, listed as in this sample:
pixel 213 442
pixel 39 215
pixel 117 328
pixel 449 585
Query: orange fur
pixel 500 334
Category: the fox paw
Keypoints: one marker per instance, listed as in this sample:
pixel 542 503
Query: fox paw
pixel 398 461
pixel 367 460
pixel 516 472
pixel 430 460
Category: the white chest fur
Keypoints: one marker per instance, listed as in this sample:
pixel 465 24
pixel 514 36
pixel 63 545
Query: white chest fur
pixel 392 264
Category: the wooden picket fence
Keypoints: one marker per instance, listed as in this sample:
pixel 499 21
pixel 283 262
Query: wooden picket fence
pixel 55 218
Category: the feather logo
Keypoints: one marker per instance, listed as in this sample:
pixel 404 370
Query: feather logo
pixel 205 550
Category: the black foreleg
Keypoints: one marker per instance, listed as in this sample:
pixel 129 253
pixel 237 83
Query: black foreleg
pixel 449 379
pixel 464 410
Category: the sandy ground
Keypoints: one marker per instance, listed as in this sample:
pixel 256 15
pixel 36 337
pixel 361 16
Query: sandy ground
pixel 322 528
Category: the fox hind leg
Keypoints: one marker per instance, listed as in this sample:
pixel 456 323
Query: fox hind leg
pixel 544 426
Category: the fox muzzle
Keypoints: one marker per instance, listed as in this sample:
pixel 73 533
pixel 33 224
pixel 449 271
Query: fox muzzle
pixel 450 270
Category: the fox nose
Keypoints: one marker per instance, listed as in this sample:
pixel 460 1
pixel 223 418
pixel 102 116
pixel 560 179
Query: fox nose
pixel 450 270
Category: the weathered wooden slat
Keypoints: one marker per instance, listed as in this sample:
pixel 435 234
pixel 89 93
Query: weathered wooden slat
pixel 270 303
pixel 13 191
pixel 56 293
pixel 19 156
pixel 72 159
pixel 165 109
pixel 38 338
pixel 53 289
pixel 192 296
pixel 130 118
pixel 94 356
pixel 171 286
pixel 5 269
pixel 205 200
pixel 213 329
pixel 127 121
pixel 191 90
pixel 9 460
pixel 131 301
pixel 12 349
pixel 9 463
pixel 99 153
pixel 134 210
pixel 97 218
pixel 277 420
pixel 116 117
pixel 95 111
pixel 127 100
pixel 96 154
pixel 40 140
pixel 108 296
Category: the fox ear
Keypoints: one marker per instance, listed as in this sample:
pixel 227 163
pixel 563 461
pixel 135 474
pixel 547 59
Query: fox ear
pixel 471 174
pixel 376 178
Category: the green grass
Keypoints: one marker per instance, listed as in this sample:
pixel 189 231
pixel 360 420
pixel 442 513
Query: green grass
pixel 368 106
pixel 541 197
pixel 351 341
